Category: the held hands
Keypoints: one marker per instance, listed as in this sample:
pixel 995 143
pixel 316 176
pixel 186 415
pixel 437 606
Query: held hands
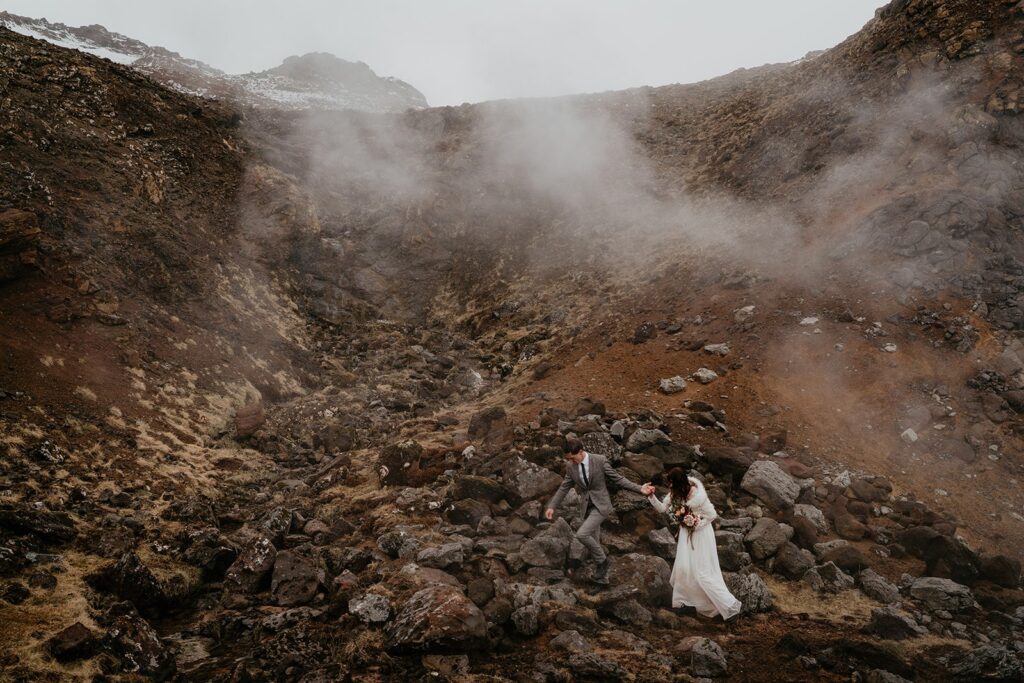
pixel 647 489
pixel 549 514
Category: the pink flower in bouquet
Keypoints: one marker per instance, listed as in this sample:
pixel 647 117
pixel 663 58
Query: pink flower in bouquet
pixel 691 520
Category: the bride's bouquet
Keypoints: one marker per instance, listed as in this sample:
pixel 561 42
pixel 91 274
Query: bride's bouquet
pixel 688 519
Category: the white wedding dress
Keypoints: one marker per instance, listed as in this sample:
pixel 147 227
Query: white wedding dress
pixel 696 575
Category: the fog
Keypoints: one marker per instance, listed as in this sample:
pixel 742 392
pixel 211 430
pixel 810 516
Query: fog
pixel 458 51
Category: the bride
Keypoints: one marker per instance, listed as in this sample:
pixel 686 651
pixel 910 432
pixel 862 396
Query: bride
pixel 696 576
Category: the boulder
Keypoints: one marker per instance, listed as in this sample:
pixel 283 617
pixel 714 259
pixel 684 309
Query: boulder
pixel 589 667
pixel 767 537
pixel 1001 570
pixel 248 419
pixel 941 594
pixel 877 587
pixel 707 659
pixel 436 618
pixel 602 443
pixel 672 385
pixel 988 663
pixel 370 608
pixel 526 620
pixel 525 481
pixel 490 426
pixel 130 579
pixel 648 467
pixel 295 579
pixel 477 488
pixel 448 555
pixel 751 590
pixel 71 643
pixel 704 375
pixel 56 527
pixel 646 573
pixel 916 539
pixel 570 641
pixel 663 543
pixel 828 578
pixel 251 570
pixel 400 464
pixel 467 511
pixel 792 562
pixel 134 642
pixel 643 439
pixel 805 534
pixel 892 624
pixel 846 557
pixel 771 484
pixel 726 461
pixel 870 489
pixel 849 527
pixel 814 515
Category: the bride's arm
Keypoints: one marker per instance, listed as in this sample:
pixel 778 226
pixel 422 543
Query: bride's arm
pixel 659 505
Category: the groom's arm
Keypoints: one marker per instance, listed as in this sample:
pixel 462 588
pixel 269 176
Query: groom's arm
pixel 563 489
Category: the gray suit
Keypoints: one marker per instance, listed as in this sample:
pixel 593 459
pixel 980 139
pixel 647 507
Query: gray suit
pixel 596 501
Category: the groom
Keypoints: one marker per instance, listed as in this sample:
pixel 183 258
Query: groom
pixel 589 472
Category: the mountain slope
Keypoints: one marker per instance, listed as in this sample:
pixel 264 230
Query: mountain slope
pixel 311 81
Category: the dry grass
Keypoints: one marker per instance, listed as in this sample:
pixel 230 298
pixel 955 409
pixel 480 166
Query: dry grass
pixel 849 607
pixel 27 626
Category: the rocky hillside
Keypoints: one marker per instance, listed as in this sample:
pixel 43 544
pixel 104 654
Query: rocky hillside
pixel 283 392
pixel 312 81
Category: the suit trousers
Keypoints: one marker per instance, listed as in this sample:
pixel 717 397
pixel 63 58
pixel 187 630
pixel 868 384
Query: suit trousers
pixel 589 534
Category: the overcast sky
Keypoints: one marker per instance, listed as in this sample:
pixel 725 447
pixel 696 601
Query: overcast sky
pixel 458 51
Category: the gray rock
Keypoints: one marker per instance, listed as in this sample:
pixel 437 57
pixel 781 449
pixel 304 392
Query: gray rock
pixel 717 349
pixel 771 484
pixel 647 573
pixel 941 594
pixel 740 525
pixel 525 620
pixel 603 443
pixel 814 514
pixel 589 667
pixel 448 555
pixel 527 481
pixel 828 578
pixel 436 617
pixel 792 562
pixel 988 663
pixel 705 375
pixel 296 579
pixel 570 641
pixel 822 548
pixel 544 551
pixel 708 659
pixel 767 537
pixel 631 612
pixel 663 542
pixel 645 438
pixel 370 608
pixel 251 569
pixel 672 385
pixel 892 624
pixel 877 588
pixel 751 590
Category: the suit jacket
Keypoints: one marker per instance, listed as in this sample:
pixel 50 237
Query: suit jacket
pixel 599 473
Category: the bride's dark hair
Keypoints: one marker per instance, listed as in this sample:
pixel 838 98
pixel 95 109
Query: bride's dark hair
pixel 678 483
